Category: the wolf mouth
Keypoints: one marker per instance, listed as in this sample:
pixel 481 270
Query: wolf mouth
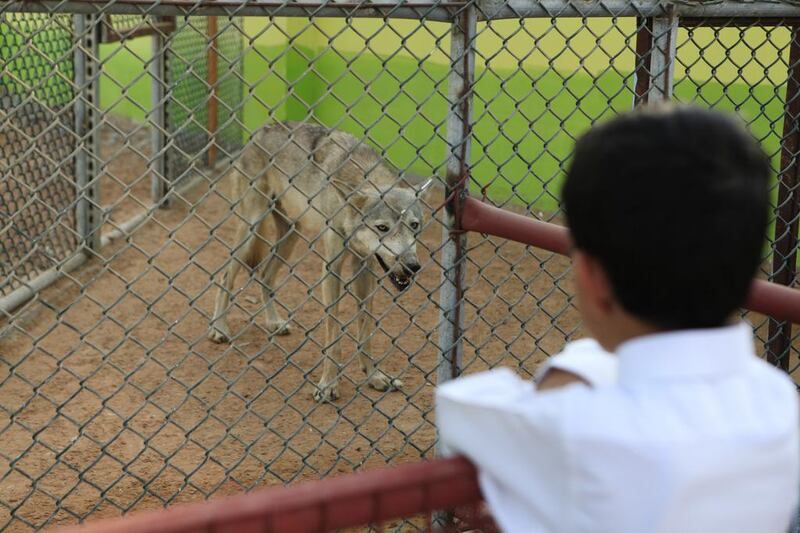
pixel 401 282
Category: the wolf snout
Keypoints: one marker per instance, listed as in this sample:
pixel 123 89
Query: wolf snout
pixel 409 269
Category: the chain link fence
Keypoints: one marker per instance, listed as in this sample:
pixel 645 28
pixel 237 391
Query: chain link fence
pixel 208 92
pixel 36 192
pixel 153 151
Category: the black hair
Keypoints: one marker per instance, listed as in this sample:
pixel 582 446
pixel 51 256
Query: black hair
pixel 673 204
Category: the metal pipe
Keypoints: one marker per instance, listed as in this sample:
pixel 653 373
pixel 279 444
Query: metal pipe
pixel 662 56
pixel 460 85
pixel 82 225
pixel 22 294
pixel 441 12
pixel 90 41
pixel 159 185
pixel 212 83
pixel 644 48
pixel 337 502
pixel 784 253
pixel 497 9
pixel 483 218
pixel 778 301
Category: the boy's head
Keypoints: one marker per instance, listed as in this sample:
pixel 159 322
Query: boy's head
pixel 667 208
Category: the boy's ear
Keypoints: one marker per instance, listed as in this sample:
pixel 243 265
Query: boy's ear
pixel 593 282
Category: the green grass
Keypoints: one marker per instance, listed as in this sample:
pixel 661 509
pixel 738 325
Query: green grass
pixel 525 121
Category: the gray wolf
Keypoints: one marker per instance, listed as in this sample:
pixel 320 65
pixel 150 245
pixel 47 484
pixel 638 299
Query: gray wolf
pixel 307 180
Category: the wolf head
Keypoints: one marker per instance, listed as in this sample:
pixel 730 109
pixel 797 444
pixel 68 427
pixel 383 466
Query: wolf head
pixel 390 226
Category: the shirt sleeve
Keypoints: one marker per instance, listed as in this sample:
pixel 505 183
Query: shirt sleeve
pixel 514 435
pixel 586 359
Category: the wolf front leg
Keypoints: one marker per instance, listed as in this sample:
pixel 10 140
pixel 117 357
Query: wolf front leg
pixel 219 331
pixel 364 288
pixel 328 389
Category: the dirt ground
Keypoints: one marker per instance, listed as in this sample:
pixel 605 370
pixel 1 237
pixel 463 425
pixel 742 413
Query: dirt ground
pixel 112 399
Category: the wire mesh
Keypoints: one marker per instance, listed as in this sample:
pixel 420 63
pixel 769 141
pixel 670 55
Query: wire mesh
pixel 374 500
pixel 187 71
pixel 744 68
pixel 124 24
pixel 113 398
pixel 36 118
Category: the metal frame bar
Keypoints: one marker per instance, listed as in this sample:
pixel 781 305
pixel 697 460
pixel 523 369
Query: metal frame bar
pixel 784 250
pixel 511 9
pixel 656 48
pixel 213 106
pixel 435 11
pixel 641 73
pixel 110 35
pixel 662 57
pixel 87 211
pixel 764 297
pixel 159 185
pixel 372 497
pixel 9 303
pixel 460 87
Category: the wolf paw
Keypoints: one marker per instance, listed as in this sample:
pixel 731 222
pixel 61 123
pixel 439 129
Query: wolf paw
pixel 382 382
pixel 279 328
pixel 326 393
pixel 219 334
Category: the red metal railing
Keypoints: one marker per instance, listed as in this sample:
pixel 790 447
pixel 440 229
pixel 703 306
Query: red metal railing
pixel 777 301
pixel 360 499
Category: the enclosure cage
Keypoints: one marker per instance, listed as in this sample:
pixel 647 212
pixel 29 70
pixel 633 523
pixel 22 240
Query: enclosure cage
pixel 124 127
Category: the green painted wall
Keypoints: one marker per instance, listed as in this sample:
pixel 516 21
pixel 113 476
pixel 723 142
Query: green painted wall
pixel 538 86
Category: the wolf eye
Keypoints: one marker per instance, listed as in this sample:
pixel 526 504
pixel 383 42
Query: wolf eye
pixel 414 225
pixel 382 227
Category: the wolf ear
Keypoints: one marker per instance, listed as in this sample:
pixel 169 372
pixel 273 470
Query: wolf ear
pixel 332 149
pixel 360 199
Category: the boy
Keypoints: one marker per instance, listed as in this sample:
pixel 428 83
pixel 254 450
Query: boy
pixel 667 421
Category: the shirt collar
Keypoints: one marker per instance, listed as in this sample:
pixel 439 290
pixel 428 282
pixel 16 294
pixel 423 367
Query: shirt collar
pixel 686 354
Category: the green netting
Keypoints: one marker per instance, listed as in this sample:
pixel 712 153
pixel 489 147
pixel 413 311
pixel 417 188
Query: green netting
pixel 37 191
pixel 189 93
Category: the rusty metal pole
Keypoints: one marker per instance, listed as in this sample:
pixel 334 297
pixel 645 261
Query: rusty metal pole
pixel 784 256
pixel 159 183
pixel 662 55
pixel 656 45
pixel 644 46
pixel 212 83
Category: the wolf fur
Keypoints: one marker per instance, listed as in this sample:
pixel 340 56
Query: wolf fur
pixel 306 180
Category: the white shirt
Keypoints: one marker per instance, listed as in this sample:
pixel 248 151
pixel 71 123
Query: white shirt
pixel 681 432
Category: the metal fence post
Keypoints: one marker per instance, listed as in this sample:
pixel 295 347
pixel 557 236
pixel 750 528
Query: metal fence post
pixel 159 185
pixel 88 213
pixel 656 45
pixel 451 296
pixel 641 72
pixel 662 58
pixel 212 84
pixel 784 252
pixel 462 62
